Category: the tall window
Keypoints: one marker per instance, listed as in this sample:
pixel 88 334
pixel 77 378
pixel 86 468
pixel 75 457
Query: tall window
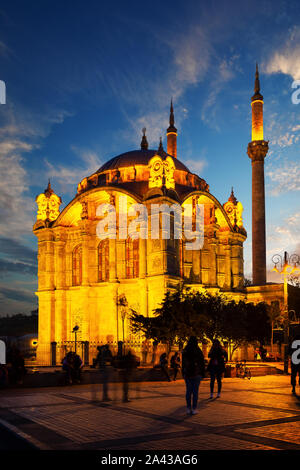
pixel 103 260
pixel 77 265
pixel 132 258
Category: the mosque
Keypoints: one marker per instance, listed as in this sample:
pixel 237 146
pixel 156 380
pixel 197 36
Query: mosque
pixel 87 285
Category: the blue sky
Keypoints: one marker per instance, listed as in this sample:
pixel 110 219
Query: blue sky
pixel 83 79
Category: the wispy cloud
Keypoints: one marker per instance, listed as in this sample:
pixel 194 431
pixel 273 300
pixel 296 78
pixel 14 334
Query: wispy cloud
pixel 284 178
pixel 196 166
pixel 224 71
pixel 286 59
pixel 284 235
pixel 68 176
pixel 18 295
pixel 20 133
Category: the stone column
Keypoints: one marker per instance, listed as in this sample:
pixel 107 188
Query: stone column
pixel 228 265
pixel 257 151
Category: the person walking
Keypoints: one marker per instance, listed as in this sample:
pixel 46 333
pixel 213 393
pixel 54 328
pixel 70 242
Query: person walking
pixel 129 363
pixel 163 362
pixel 104 360
pixel 175 364
pixel 216 366
pixel 193 370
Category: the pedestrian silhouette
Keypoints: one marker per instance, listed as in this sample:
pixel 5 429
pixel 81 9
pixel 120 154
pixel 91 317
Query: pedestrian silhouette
pixel 193 370
pixel 18 370
pixel 163 362
pixel 175 364
pixel 127 364
pixel 104 361
pixel 216 366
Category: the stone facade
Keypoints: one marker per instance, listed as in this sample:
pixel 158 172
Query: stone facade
pixel 82 279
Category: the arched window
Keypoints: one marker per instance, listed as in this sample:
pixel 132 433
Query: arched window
pixel 77 265
pixel 132 258
pixel 103 260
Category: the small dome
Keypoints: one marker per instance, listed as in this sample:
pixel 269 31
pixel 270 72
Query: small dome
pixel 138 157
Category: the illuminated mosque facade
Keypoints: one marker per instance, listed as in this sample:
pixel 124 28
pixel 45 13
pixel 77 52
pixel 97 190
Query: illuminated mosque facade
pixel 93 283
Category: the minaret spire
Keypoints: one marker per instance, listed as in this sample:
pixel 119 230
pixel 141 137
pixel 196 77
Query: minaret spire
pixel 257 151
pixel 172 134
pixel 257 95
pixel 144 142
pixel 256 83
pixel 160 147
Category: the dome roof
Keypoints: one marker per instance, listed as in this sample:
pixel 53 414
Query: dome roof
pixel 138 157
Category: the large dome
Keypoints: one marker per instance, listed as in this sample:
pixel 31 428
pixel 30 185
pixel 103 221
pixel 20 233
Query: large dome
pixel 138 157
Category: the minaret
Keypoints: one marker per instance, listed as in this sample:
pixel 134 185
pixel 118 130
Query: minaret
pixel 257 151
pixel 172 135
pixel 144 142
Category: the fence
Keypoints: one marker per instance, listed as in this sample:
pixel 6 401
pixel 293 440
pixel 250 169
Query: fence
pixel 88 350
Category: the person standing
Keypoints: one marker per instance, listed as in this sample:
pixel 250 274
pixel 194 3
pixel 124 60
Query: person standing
pixel 175 364
pixel 216 366
pixel 193 370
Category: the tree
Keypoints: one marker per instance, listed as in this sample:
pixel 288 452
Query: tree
pixel 178 317
pixel 184 313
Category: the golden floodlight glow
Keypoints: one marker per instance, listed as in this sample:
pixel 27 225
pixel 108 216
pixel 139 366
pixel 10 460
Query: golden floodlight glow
pixel 257 120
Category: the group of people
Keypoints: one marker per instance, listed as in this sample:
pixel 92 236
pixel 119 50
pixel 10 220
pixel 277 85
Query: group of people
pixel 125 363
pixel 193 369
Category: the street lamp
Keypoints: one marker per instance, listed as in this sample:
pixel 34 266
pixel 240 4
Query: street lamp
pixel 122 302
pixel 75 330
pixel 286 266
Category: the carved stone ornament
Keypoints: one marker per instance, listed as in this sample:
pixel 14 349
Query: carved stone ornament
pixel 257 150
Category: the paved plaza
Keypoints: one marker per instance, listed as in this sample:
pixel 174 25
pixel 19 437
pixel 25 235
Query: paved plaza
pixel 259 414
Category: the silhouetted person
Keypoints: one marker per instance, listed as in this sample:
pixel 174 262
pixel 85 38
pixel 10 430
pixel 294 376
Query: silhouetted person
pixel 216 366
pixel 104 360
pixel 295 368
pixel 175 364
pixel 145 350
pixel 77 368
pixel 193 370
pixel 154 352
pixel 128 363
pixel 163 362
pixel 68 365
pixel 17 366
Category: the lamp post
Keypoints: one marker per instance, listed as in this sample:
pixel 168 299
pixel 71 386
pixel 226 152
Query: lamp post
pixel 284 267
pixel 122 302
pixel 75 330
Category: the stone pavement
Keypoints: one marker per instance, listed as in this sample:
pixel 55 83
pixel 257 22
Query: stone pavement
pixel 259 414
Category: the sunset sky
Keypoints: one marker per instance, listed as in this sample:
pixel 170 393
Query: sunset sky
pixel 84 77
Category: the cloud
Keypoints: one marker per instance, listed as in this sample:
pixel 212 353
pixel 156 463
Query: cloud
pixel 20 134
pixel 196 165
pixel 286 59
pixel 68 176
pixel 284 178
pixel 284 235
pixel 16 267
pixel 19 295
pixel 192 56
pixel 16 258
pixel 16 250
pixel 225 70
